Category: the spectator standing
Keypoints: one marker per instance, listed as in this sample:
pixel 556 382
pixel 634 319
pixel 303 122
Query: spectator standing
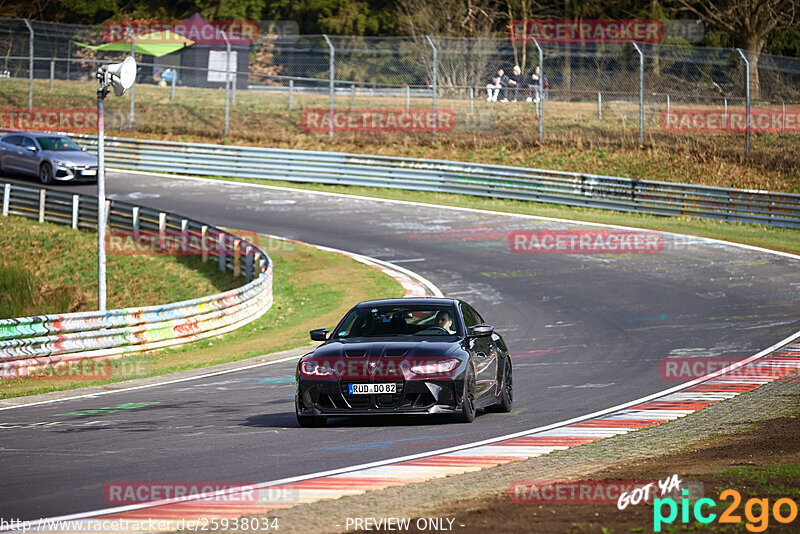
pixel 536 78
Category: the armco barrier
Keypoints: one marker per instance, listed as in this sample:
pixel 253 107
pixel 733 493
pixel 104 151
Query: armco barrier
pixel 555 187
pixel 34 341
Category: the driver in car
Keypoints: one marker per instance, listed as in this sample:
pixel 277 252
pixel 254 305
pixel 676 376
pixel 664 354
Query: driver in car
pixel 443 320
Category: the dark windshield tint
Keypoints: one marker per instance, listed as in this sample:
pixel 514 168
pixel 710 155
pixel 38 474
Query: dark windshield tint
pixel 13 139
pixel 408 321
pixel 57 143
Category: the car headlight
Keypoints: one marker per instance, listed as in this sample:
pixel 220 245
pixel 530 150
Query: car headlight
pixel 435 368
pixel 312 368
pixel 60 163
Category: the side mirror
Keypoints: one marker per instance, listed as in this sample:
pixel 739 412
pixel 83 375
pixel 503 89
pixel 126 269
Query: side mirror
pixel 32 149
pixel 319 334
pixel 83 149
pixel 480 330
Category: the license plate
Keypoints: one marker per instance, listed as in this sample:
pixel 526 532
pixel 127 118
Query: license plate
pixel 89 172
pixel 372 389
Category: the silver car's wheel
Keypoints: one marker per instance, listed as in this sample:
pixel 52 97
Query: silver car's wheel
pixel 46 173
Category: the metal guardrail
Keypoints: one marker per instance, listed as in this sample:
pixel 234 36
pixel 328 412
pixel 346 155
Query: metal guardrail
pixel 498 181
pixel 30 342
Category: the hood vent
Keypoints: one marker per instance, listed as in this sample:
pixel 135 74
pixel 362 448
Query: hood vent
pixel 353 353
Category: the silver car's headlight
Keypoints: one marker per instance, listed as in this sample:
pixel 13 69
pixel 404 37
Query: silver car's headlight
pixel 60 163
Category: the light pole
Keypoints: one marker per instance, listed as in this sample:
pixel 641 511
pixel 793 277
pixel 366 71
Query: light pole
pixel 119 76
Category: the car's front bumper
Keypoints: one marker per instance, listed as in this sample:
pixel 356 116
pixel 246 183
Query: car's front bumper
pixel 67 173
pixel 330 398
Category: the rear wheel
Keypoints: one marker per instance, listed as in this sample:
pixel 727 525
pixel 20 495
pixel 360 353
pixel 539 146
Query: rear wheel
pixel 467 413
pixel 45 173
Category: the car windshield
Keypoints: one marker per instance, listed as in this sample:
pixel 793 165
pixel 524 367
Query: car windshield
pixel 406 321
pixel 57 143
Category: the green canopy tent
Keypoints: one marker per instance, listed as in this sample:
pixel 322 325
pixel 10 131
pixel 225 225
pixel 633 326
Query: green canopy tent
pixel 153 44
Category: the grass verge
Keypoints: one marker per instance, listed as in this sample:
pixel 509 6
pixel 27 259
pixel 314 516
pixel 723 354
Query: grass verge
pixel 782 239
pixel 35 279
pixel 312 288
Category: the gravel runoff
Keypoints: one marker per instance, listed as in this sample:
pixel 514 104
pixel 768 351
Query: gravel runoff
pixel 734 415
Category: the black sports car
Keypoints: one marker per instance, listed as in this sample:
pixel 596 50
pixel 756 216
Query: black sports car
pixel 405 356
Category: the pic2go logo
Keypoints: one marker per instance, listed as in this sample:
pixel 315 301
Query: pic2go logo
pixel 756 511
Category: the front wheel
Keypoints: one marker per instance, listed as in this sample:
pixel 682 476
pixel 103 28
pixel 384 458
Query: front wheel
pixel 507 393
pixel 467 413
pixel 45 173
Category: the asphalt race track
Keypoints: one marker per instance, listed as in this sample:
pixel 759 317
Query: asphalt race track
pixel 587 332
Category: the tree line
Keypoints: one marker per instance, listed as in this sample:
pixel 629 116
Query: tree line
pixel 760 25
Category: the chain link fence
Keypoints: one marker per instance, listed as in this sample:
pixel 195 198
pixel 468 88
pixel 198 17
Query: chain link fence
pixel 283 88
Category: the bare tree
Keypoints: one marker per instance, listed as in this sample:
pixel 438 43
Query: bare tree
pixel 748 22
pixel 462 31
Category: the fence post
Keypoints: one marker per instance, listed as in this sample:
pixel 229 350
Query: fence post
pixel 408 98
pixel 668 108
pixel 227 82
pixel 248 263
pixel 203 245
pixel 725 116
pixel 174 77
pixel 30 65
pixel 599 106
pixel 541 90
pixel 471 100
pixel 42 201
pixel 133 55
pixel 783 116
pixel 52 72
pixel 222 251
pixel 331 83
pixel 435 82
pixel 237 255
pixel 6 198
pixel 135 224
pixel 76 208
pixel 291 93
pixel 352 95
pixel 747 100
pixel 641 93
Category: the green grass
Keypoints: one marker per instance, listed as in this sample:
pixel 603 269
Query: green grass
pixel 312 289
pixel 49 268
pixel 781 239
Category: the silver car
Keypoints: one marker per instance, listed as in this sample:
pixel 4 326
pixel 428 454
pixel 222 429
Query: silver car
pixel 49 156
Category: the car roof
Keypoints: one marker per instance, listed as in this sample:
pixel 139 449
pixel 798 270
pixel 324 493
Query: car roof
pixel 412 301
